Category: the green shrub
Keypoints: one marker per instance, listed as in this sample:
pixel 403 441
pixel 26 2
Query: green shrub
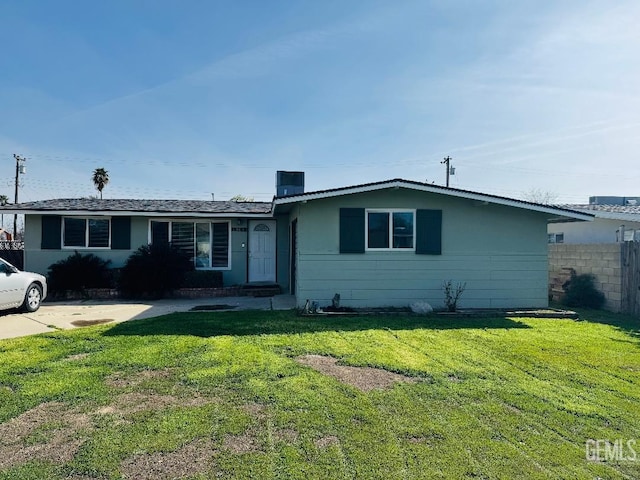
pixel 580 291
pixel 203 279
pixel 153 270
pixel 79 272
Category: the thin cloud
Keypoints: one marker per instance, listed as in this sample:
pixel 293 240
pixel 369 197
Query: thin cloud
pixel 253 62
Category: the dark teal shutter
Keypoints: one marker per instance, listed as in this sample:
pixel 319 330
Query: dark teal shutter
pixel 51 232
pixel 352 230
pixel 120 233
pixel 429 232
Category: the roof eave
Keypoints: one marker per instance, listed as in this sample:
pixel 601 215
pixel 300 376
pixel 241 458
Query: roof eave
pixel 481 197
pixel 132 213
pixel 630 217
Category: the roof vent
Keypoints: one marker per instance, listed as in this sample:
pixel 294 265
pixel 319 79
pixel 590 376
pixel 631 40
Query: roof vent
pixel 289 183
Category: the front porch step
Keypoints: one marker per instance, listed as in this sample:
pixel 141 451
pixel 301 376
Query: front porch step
pixel 260 289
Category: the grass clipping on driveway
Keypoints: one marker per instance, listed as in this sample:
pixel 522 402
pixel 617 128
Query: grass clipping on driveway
pixel 272 395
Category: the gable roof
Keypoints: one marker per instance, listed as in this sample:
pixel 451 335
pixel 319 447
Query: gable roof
pixel 614 212
pixel 556 212
pixel 202 208
pixel 121 207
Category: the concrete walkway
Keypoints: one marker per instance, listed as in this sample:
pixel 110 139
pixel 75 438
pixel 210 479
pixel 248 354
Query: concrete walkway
pixel 72 314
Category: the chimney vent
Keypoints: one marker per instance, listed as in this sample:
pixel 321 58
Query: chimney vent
pixel 289 183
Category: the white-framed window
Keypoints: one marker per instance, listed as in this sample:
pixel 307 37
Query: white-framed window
pixel 390 229
pixel 86 232
pixel 206 243
pixel 555 237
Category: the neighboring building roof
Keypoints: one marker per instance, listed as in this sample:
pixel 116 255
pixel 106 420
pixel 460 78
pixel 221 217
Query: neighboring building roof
pixel 614 212
pixel 136 207
pixel 556 212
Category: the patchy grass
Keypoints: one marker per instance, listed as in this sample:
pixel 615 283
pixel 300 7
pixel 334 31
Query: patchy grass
pixel 202 395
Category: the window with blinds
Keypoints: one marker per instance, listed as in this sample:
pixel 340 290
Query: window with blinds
pixel 208 244
pixel 86 232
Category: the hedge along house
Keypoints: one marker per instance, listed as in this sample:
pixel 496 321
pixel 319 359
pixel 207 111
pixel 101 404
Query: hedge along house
pixel 237 238
pixel 395 242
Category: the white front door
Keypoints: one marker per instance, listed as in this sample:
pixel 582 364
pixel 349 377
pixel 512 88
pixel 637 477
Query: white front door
pixel 262 251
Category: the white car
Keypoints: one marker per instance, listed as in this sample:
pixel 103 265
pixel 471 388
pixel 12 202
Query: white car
pixel 18 289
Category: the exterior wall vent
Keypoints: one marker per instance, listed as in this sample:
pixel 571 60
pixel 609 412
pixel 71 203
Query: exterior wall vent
pixel 289 183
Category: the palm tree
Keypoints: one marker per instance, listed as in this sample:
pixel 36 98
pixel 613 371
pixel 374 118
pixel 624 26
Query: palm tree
pixel 100 179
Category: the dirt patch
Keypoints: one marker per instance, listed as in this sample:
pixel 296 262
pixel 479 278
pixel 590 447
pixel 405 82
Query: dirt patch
pixel 256 410
pixel 327 441
pixel 124 380
pixel 416 440
pixel 77 356
pixel 79 477
pixel 245 443
pixel 89 323
pixel 48 432
pixel 192 459
pixel 430 440
pixel 109 409
pixel 129 403
pixel 286 435
pixel 512 408
pixel 363 378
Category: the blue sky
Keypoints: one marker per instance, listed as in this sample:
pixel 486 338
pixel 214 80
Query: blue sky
pixel 181 99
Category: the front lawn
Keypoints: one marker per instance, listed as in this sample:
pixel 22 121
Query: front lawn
pixel 253 395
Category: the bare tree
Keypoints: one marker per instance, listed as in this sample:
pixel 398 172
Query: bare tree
pixel 241 198
pixel 537 195
pixel 100 179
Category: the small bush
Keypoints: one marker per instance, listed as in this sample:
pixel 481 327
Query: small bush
pixel 153 270
pixel 452 294
pixel 203 279
pixel 79 272
pixel 580 291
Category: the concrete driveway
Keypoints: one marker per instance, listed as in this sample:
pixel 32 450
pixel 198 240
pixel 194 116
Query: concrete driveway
pixel 73 314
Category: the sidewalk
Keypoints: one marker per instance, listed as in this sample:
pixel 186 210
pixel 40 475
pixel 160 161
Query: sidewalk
pixel 72 314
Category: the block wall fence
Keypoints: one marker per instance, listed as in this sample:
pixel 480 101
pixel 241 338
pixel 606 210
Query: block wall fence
pixel 616 267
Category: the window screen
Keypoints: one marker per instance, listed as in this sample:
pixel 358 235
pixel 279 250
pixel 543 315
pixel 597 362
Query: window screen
pixel 378 230
pixel 74 234
pixel 98 233
pixel 159 233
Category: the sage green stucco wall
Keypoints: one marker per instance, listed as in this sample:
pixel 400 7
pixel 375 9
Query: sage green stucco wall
pixel 499 251
pixel 38 260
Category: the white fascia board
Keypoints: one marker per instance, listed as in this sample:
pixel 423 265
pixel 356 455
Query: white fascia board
pixel 480 197
pixel 630 217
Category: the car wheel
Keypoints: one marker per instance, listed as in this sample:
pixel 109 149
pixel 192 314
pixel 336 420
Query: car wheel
pixel 32 298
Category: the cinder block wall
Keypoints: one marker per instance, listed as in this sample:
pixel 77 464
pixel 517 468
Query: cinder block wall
pixel 604 260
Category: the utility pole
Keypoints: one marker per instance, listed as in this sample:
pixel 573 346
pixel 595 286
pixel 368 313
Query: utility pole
pixel 20 169
pixel 450 170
